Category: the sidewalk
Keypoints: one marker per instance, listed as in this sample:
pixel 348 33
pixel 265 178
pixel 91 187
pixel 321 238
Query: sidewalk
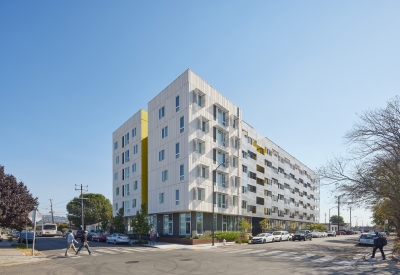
pixel 12 256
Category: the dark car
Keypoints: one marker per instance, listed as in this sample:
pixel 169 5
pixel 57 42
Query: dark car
pixel 102 237
pixel 24 236
pixel 340 232
pixel 90 236
pixel 302 235
pixel 78 234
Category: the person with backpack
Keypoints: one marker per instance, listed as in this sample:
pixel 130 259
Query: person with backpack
pixel 379 243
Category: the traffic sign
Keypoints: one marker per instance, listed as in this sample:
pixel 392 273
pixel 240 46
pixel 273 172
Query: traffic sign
pixel 386 221
pixel 31 216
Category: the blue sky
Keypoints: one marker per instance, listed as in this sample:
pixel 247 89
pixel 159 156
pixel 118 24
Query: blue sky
pixel 71 72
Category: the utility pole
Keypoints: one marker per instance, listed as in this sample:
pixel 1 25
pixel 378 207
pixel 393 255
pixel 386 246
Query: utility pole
pixel 350 217
pixel 338 212
pixel 325 217
pixel 52 215
pixel 81 189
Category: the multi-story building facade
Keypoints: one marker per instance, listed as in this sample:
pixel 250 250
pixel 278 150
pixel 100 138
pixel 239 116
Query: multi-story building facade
pixel 130 165
pixel 197 142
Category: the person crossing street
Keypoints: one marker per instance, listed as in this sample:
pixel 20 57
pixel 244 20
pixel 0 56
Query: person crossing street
pixel 84 243
pixel 70 242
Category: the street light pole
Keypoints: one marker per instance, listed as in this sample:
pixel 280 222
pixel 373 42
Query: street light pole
pixel 330 218
pixel 213 202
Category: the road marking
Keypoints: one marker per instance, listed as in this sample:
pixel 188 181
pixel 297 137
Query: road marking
pixel 288 254
pixel 303 257
pixel 105 251
pixel 270 253
pixel 324 259
pixel 251 252
pixel 344 263
pixel 244 250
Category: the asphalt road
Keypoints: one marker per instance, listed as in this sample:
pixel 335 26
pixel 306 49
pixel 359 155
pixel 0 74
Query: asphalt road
pixel 338 255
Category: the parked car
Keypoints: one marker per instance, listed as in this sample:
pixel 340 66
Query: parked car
pixel 316 234
pixel 281 236
pixel 340 232
pixel 302 235
pixel 78 234
pixel 90 236
pixel 95 237
pixel 117 238
pixel 24 236
pixel 102 237
pixel 331 233
pixel 66 232
pixel 323 234
pixel 263 238
pixel 366 239
pixel 59 233
pixel 349 232
pixel 387 232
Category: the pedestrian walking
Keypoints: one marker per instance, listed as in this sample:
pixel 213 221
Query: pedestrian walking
pixel 157 237
pixel 70 242
pixel 378 244
pixel 84 243
pixel 151 237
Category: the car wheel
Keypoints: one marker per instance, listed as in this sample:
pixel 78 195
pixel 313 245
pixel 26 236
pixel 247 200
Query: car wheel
pixel 305 238
pixel 273 240
pixel 280 240
pixel 264 241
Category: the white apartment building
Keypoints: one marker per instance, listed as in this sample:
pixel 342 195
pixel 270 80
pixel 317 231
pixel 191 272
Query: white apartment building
pixel 192 131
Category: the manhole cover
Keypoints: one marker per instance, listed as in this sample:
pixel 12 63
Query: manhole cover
pixel 185 260
pixel 132 262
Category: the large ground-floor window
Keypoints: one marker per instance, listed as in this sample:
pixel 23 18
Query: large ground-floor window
pixel 168 224
pixel 184 224
pixel 228 223
pixel 199 223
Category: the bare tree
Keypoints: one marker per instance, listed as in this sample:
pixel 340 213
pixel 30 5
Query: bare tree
pixel 371 172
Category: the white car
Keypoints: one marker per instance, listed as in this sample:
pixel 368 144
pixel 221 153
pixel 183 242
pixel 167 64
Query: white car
pixel 117 238
pixel 316 234
pixel 324 234
pixel 366 239
pixel 263 238
pixel 281 236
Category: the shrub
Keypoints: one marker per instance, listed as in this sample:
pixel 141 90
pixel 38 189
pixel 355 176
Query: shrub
pixel 242 241
pixel 196 237
pixel 64 229
pixel 227 235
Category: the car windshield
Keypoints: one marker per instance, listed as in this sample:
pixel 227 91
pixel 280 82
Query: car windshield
pixel 261 235
pixel 122 235
pixel 301 232
pixel 277 233
pixel 49 227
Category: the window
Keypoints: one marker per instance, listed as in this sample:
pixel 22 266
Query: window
pixel 244 204
pixel 115 175
pixel 221 136
pixel 161 198
pixel 221 179
pixel 177 197
pixel 236 182
pixel 126 140
pixel 234 200
pixel 164 175
pixel 252 188
pixel 199 223
pixel 244 169
pixel 177 103
pixel 116 206
pixel 116 159
pixel 203 126
pixel 221 117
pixel 117 191
pixel 203 172
pixel 181 124
pixel 161 155
pixel 134 132
pixel 260 200
pixel 234 162
pixel 168 223
pixel 125 173
pixel 134 168
pixel 184 224
pixel 126 208
pixel 161 112
pixel 126 154
pixel 181 173
pixel 135 149
pixel 116 145
pixel 135 185
pixel 221 159
pixel 236 143
pixel 200 194
pixel 199 100
pixel 177 150
pixel 221 201
pixel 164 132
pixel 126 190
pixel 133 203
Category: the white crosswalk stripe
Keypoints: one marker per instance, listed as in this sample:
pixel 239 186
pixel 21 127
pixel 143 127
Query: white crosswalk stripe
pixel 251 252
pixel 302 257
pixel 270 253
pixel 324 259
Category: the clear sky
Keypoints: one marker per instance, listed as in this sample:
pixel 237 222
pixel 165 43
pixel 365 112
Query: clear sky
pixel 71 72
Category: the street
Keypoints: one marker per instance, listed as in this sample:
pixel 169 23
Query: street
pixel 338 255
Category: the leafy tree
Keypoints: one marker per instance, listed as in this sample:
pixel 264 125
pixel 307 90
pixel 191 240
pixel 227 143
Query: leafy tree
pixel 384 211
pixel 264 224
pixel 15 202
pixel 139 223
pixel 334 219
pixel 96 209
pixel 119 222
pixel 371 174
pixel 244 225
pixel 317 226
pixel 293 225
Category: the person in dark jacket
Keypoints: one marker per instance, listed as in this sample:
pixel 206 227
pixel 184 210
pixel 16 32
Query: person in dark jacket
pixel 84 243
pixel 378 244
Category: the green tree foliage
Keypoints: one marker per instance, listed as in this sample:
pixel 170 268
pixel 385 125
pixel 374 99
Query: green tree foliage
pixel 334 219
pixel 139 223
pixel 371 173
pixel 384 211
pixel 244 225
pixel 15 202
pixel 264 224
pixel 119 222
pixel 317 226
pixel 96 209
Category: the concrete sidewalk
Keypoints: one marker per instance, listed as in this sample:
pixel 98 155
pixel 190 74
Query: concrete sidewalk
pixel 12 256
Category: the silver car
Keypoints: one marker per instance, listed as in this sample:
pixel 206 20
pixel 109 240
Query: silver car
pixel 263 238
pixel 316 234
pixel 366 239
pixel 117 238
pixel 281 236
